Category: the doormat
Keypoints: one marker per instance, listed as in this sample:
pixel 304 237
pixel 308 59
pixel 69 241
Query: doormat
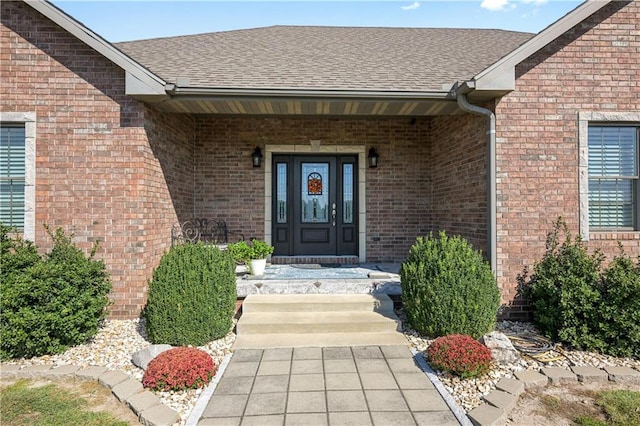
pixel 321 266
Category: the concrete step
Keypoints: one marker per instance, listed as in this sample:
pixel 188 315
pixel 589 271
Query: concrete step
pixel 264 341
pixel 317 303
pixel 315 322
pixel 308 320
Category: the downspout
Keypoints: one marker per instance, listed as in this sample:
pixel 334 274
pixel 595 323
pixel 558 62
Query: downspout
pixel 492 225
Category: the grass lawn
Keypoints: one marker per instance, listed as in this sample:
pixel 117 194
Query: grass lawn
pixel 27 403
pixel 621 407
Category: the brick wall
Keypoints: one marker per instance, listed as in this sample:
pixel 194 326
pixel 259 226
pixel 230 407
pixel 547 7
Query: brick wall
pixel 593 67
pixel 458 167
pixel 398 204
pixel 100 172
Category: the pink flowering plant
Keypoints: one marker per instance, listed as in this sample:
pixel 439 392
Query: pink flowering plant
pixel 178 369
pixel 461 355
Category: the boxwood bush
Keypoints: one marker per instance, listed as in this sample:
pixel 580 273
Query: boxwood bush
pixel 577 302
pixel 191 296
pixel 49 302
pixel 448 288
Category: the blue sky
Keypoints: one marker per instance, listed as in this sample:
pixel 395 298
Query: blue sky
pixel 133 20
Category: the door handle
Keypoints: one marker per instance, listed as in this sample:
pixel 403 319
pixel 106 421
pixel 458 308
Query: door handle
pixel 333 214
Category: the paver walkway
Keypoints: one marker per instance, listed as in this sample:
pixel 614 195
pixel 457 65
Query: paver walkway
pixel 372 385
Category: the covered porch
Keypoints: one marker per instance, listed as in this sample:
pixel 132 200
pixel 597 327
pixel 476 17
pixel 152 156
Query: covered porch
pixel 430 174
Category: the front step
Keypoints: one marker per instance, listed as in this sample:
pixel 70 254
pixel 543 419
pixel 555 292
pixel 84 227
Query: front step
pixel 317 303
pixel 305 320
pixel 316 340
pixel 314 322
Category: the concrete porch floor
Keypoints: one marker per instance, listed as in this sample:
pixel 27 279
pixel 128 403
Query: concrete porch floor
pixel 364 278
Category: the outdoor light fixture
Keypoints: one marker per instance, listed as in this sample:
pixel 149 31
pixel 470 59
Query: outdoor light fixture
pixel 373 157
pixel 256 157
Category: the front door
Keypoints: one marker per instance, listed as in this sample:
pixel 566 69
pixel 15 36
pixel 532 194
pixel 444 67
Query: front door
pixel 315 207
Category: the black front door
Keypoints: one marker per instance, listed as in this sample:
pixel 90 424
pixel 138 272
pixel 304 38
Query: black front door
pixel 315 207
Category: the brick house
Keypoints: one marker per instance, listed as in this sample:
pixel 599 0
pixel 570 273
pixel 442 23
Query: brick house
pixel 484 133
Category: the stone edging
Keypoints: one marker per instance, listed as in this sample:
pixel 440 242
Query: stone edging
pixel 145 404
pixel 457 411
pixel 204 398
pixel 499 402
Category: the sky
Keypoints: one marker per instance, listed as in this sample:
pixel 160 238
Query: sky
pixel 134 20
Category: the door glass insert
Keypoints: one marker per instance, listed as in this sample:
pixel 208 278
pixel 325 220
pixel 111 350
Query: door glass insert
pixel 315 194
pixel 281 193
pixel 347 193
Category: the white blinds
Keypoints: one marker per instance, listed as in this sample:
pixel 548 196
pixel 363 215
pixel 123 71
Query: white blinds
pixel 613 175
pixel 12 175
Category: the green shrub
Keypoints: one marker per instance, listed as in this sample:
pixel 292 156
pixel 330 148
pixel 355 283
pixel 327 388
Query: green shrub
pixel 49 303
pixel 178 369
pixel 191 296
pixel 620 307
pixel 461 355
pixel 575 302
pixel 563 289
pixel 447 288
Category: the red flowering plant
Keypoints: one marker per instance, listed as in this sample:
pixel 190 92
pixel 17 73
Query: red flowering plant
pixel 460 354
pixel 178 369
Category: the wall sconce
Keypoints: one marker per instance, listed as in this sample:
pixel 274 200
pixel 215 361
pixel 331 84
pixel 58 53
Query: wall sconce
pixel 256 157
pixel 373 157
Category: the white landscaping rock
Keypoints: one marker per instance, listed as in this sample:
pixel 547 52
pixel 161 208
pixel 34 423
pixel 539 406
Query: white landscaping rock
pixel 143 357
pixel 501 348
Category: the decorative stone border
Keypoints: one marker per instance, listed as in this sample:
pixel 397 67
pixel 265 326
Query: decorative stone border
pixel 503 399
pixel 146 405
pixel 457 411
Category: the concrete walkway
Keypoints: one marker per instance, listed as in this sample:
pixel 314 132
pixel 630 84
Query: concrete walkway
pixel 362 385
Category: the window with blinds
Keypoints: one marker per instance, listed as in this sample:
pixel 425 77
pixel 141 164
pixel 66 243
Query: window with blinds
pixel 613 177
pixel 12 175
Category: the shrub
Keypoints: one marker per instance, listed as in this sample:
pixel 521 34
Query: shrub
pixel 49 303
pixel 620 307
pixel 460 354
pixel 578 303
pixel 447 288
pixel 563 289
pixel 192 296
pixel 178 369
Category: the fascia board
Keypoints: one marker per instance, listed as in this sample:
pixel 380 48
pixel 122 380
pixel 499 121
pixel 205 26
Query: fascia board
pixel 154 83
pixel 501 75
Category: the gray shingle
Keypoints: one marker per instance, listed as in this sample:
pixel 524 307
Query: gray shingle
pixel 420 59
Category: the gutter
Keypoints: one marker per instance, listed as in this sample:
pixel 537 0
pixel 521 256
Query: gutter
pixel 186 92
pixel 492 224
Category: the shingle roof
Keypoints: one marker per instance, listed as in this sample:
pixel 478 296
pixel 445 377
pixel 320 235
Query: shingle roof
pixel 414 59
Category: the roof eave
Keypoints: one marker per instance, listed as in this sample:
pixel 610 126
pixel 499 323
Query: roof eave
pixel 138 78
pixel 501 75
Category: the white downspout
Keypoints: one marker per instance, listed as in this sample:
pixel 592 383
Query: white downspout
pixel 492 225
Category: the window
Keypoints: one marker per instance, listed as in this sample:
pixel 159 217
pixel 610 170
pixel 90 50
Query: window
pixel 12 175
pixel 613 157
pixel 18 171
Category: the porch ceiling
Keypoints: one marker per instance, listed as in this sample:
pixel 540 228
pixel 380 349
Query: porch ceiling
pixel 325 107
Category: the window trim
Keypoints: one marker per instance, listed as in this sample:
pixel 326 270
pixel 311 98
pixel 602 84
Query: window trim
pixel 28 119
pixel 605 119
